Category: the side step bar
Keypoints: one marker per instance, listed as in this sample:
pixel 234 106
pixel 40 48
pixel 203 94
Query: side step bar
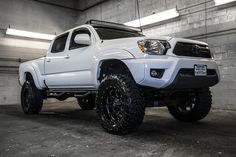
pixel 71 90
pixel 62 94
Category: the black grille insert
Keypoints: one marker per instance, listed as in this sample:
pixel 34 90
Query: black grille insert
pixel 192 50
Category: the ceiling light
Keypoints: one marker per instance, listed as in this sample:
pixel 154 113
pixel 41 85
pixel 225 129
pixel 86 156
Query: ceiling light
pixel 27 34
pixel 161 16
pixel 221 2
pixel 19 43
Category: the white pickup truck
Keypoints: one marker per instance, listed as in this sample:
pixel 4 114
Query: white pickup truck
pixel 118 70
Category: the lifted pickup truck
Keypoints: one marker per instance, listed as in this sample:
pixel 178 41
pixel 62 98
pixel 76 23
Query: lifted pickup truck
pixel 118 70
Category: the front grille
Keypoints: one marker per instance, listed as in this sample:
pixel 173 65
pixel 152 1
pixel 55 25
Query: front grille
pixel 192 50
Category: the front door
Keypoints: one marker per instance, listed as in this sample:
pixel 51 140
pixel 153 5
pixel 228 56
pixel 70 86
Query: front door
pixel 71 68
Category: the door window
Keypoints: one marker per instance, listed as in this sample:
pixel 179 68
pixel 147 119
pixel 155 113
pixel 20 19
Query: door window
pixel 59 43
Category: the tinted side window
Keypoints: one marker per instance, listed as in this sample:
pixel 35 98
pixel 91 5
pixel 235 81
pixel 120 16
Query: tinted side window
pixel 59 43
pixel 73 45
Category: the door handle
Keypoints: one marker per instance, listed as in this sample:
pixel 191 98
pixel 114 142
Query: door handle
pixel 48 60
pixel 67 57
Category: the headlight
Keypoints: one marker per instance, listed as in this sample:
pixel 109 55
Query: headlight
pixel 153 47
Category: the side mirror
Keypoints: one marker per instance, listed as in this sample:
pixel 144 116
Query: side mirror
pixel 82 39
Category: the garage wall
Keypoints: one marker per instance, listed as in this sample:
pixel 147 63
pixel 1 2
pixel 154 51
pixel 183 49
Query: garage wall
pixel 198 20
pixel 32 16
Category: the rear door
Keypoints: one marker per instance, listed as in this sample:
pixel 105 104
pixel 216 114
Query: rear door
pixel 54 62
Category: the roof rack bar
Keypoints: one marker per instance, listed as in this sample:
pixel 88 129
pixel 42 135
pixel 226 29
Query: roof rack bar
pixel 106 23
pixel 92 21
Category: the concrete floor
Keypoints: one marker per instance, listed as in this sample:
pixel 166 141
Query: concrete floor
pixel 64 130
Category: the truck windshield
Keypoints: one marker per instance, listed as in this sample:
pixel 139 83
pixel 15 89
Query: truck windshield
pixel 111 33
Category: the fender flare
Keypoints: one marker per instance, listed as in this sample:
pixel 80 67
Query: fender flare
pixel 34 73
pixel 116 54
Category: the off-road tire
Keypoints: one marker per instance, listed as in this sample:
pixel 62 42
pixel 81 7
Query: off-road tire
pixel 129 115
pixel 31 98
pixel 200 110
pixel 86 103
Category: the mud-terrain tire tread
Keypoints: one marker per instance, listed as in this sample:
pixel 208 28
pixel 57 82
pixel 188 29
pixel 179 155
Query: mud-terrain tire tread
pixel 36 100
pixel 135 110
pixel 201 110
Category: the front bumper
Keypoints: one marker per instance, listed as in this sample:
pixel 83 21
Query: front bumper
pixel 186 79
pixel 173 76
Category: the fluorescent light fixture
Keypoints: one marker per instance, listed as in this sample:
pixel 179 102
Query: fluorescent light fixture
pixel 161 16
pixel 19 43
pixel 221 2
pixel 27 34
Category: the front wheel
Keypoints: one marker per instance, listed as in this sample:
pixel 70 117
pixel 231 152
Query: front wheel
pixel 31 98
pixel 193 106
pixel 120 105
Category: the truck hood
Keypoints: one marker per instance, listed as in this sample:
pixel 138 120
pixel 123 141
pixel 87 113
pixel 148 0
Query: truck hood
pixel 130 44
pixel 124 43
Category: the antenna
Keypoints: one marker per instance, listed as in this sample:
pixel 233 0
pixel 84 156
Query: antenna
pixel 138 9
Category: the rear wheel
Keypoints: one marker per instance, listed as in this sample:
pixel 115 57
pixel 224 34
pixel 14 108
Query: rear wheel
pixel 119 104
pixel 192 107
pixel 87 103
pixel 31 98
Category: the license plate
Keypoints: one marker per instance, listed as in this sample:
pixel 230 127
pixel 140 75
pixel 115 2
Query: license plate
pixel 200 70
